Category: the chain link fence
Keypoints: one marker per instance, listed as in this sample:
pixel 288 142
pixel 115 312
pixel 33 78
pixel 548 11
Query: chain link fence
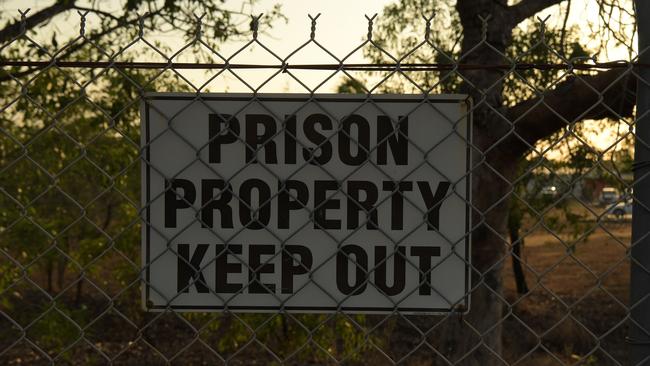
pixel 550 180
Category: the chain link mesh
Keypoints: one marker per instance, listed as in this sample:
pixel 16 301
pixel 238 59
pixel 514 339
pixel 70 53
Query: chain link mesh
pixel 70 260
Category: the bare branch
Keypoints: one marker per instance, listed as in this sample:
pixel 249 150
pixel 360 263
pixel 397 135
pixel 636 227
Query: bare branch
pixel 71 49
pixel 608 94
pixel 563 32
pixel 97 11
pixel 12 30
pixel 527 8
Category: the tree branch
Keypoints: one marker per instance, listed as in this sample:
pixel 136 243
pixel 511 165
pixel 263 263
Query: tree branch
pixel 527 8
pixel 92 37
pixel 608 94
pixel 97 11
pixel 13 30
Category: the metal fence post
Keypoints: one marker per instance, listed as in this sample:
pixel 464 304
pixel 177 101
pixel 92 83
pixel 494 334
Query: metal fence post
pixel 640 266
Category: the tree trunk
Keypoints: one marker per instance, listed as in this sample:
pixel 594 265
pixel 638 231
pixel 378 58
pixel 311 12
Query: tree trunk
pixel 475 339
pixel 60 271
pixel 79 291
pixel 498 145
pixel 517 243
pixel 49 269
pixel 60 268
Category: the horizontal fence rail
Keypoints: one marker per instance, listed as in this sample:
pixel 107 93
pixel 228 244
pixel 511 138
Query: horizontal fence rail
pixel 341 66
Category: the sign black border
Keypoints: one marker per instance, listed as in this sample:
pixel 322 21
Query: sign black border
pixel 410 98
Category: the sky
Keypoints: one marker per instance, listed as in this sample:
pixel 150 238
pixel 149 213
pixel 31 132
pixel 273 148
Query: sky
pixel 342 26
pixel 338 31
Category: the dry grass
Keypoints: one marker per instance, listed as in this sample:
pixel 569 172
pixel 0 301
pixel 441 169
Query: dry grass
pixel 576 304
pixel 574 313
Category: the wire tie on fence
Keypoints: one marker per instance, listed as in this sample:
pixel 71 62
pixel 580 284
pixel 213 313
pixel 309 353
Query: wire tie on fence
pixel 284 67
pixel 640 165
pixel 199 25
pixel 637 342
pixel 140 26
pixel 255 24
pixel 484 24
pixel 23 20
pixel 312 35
pixel 459 309
pixel 427 29
pixel 82 25
pixel 370 24
pixel 542 27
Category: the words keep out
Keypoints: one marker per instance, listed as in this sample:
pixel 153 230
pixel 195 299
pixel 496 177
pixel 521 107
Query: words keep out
pixel 355 268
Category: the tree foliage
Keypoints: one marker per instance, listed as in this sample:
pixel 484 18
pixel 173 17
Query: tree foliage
pixel 400 32
pixel 70 161
pixel 70 164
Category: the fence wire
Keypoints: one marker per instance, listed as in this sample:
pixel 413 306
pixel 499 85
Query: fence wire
pixel 551 237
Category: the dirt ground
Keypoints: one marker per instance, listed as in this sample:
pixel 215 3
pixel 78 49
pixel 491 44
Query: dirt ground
pixel 574 314
pixel 577 300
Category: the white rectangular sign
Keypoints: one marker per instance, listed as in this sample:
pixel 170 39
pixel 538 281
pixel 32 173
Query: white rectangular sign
pixel 323 203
